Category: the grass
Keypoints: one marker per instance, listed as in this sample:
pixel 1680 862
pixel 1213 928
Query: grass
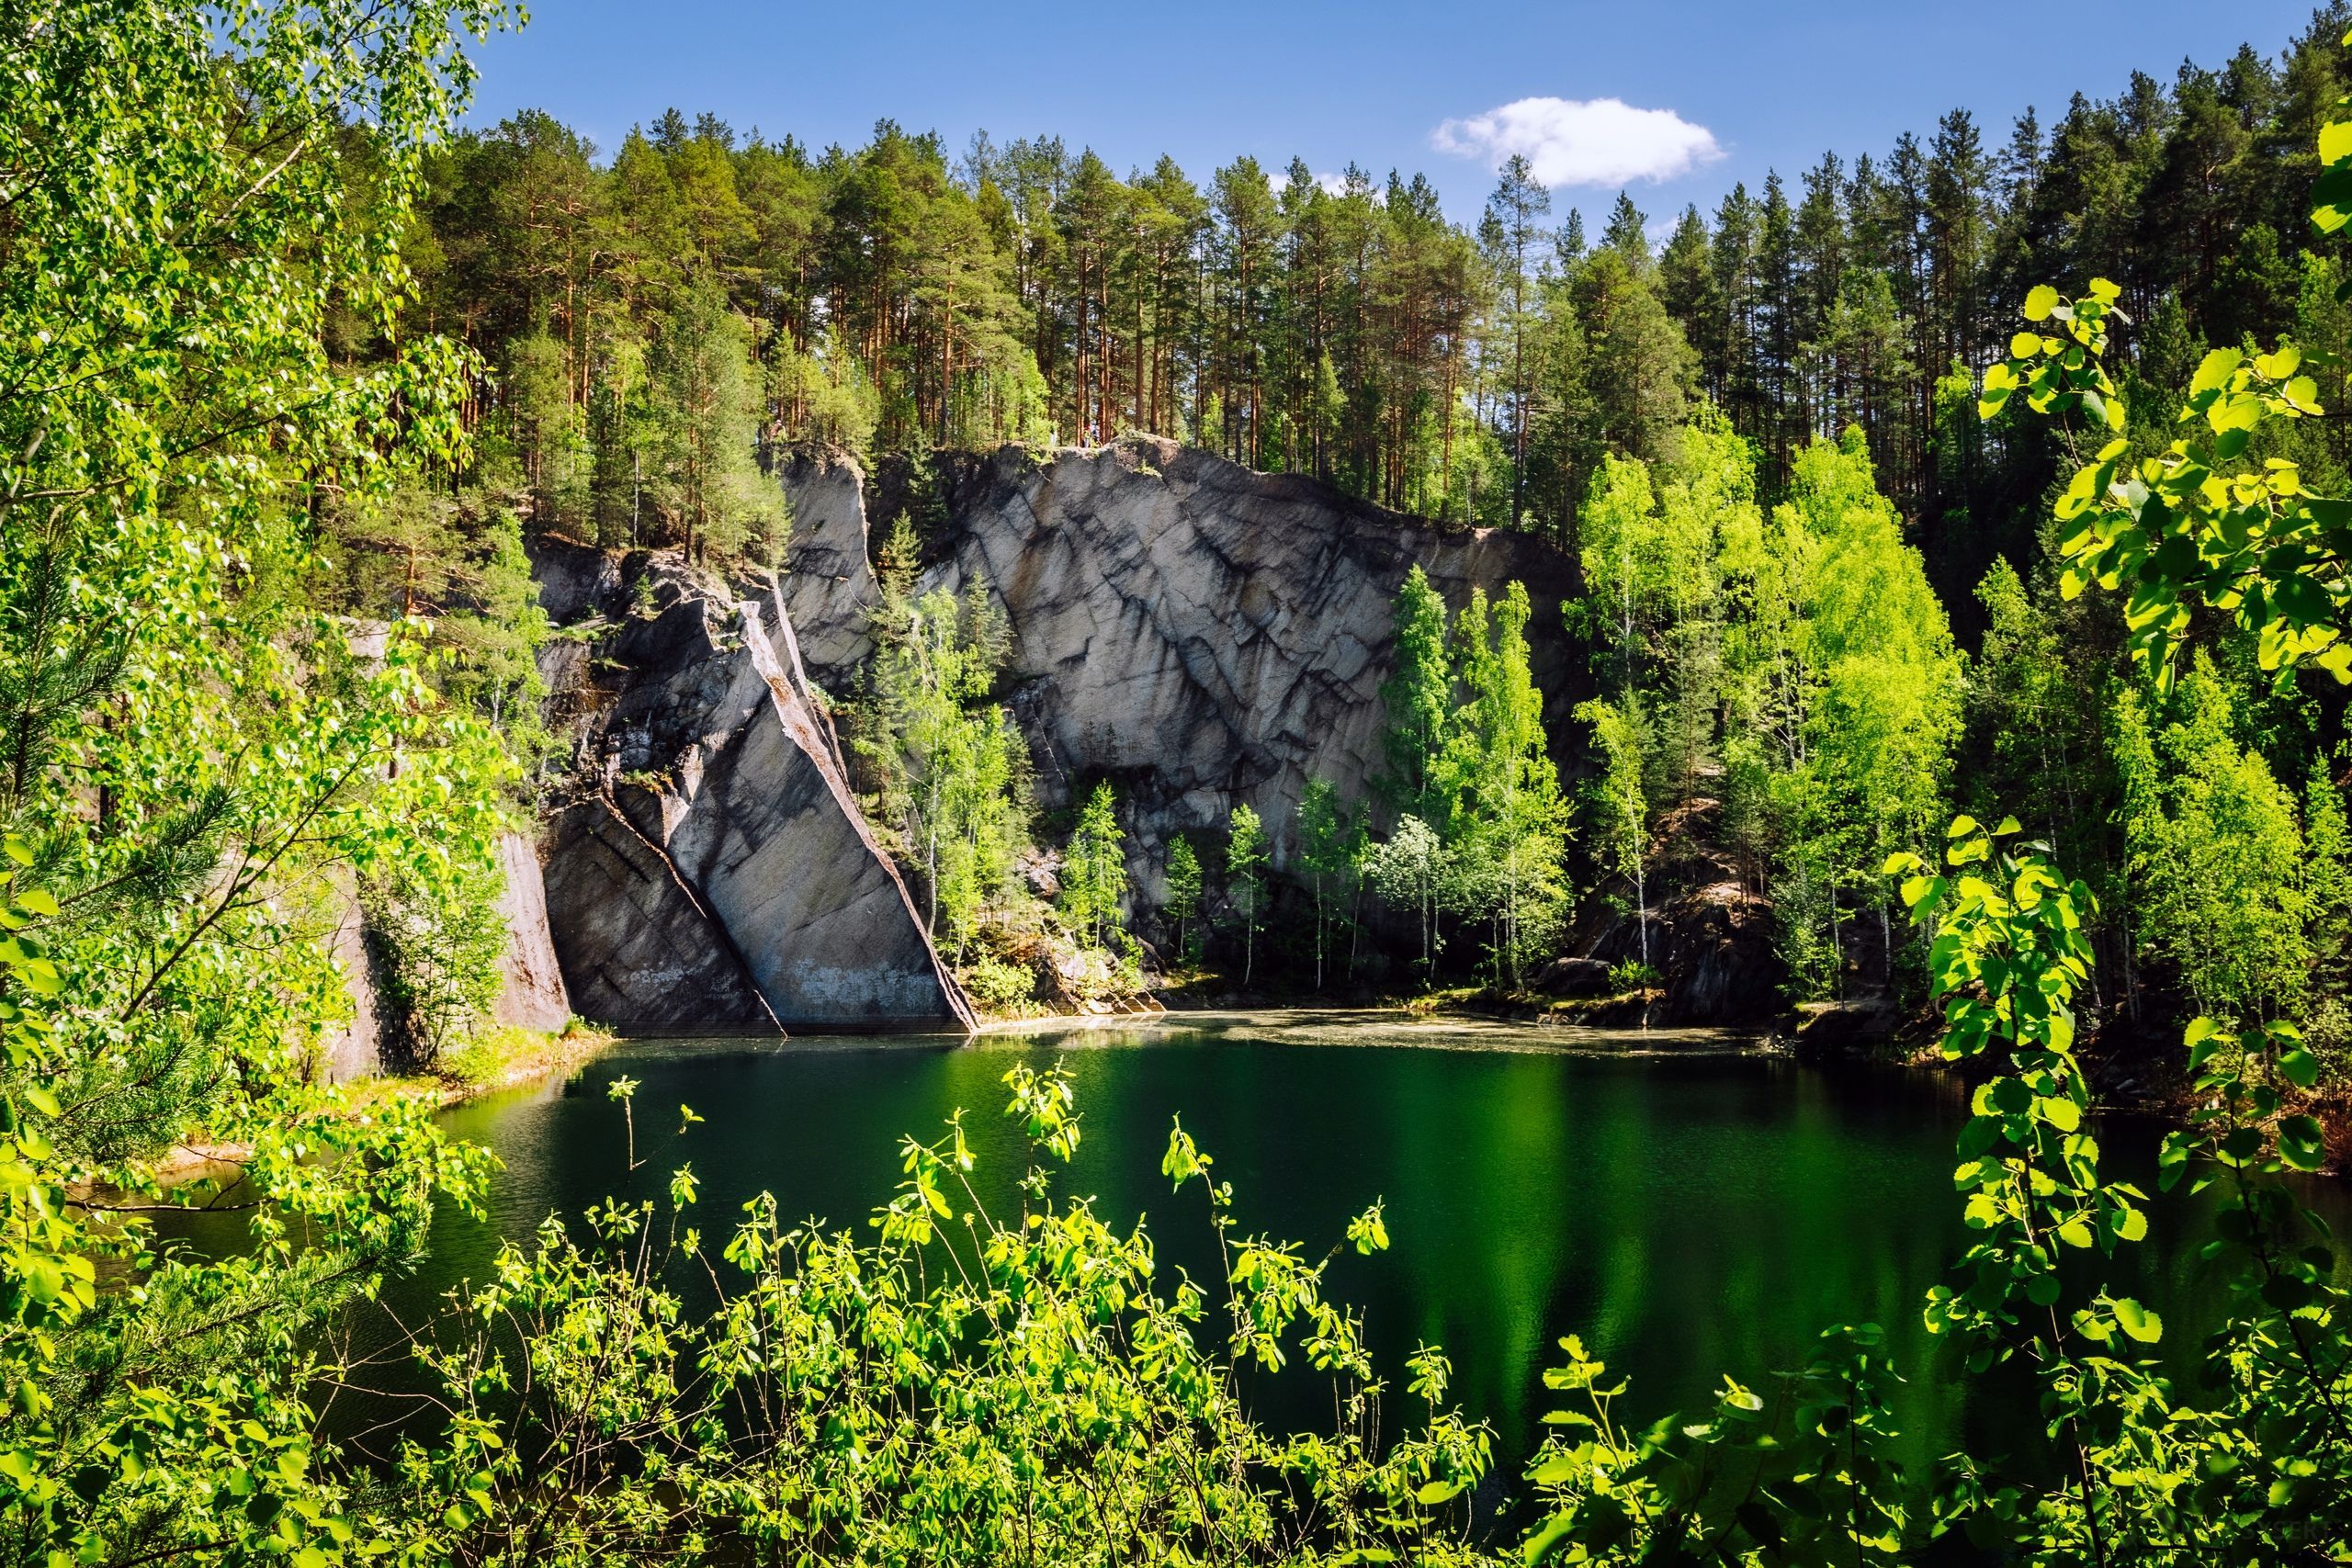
pixel 498 1056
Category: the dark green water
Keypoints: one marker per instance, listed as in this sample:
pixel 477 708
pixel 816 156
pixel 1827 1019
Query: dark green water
pixel 1688 1211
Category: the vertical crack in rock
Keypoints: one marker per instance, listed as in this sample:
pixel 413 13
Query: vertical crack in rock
pixel 783 857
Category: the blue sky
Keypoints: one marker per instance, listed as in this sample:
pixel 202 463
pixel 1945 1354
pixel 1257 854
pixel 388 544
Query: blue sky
pixel 1705 95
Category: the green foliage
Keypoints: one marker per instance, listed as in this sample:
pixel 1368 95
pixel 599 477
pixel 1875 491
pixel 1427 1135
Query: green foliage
pixel 950 769
pixel 1509 819
pixel 550 431
pixel 997 986
pixel 1418 698
pixel 2214 855
pixel 457 562
pixel 1806 1473
pixel 2036 708
pixel 835 400
pixel 1247 858
pixel 1470 764
pixel 2327 883
pixel 2212 519
pixel 1094 869
pixel 2009 956
pixel 1411 870
pixel 1800 657
pixel 1620 799
pixel 1628 975
pixel 437 940
pixel 2149 1474
pixel 216 202
pixel 1332 844
pixel 1846 663
pixel 205 324
pixel 703 421
pixel 1800 1476
pixel 1653 568
pixel 903 297
pixel 966 1386
pixel 1184 887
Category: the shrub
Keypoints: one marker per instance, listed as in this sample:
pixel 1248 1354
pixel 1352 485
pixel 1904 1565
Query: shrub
pixel 996 985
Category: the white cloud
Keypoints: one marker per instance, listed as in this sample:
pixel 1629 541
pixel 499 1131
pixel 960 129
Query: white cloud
pixel 1596 142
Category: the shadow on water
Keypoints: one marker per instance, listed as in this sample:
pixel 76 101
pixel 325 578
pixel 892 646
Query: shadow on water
pixel 1688 1206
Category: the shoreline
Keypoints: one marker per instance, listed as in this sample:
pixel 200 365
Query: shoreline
pixel 196 1160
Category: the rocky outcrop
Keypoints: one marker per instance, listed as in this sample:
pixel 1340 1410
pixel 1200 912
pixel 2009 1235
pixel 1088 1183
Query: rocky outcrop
pixel 825 584
pixel 1858 1026
pixel 1571 979
pixel 706 862
pixel 1202 635
pixel 532 996
pixel 1721 966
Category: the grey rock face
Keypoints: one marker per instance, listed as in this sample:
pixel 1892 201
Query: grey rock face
pixel 355 1048
pixel 638 949
pixel 532 996
pixel 710 866
pixel 826 583
pixel 1202 635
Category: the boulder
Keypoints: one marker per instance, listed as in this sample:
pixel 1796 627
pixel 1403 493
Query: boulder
pixel 1833 1029
pixel 1572 977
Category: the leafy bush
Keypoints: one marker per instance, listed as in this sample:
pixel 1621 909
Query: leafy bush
pixel 2259 1470
pixel 997 986
pixel 966 1387
pixel 1630 974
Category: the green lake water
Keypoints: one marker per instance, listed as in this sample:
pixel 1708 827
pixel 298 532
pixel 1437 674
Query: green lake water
pixel 1689 1208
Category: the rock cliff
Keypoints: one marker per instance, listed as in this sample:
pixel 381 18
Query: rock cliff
pixel 1199 635
pixel 1202 635
pixel 706 865
pixel 531 995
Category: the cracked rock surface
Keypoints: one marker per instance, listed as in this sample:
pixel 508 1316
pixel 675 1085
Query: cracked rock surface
pixel 1199 634
pixel 706 865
